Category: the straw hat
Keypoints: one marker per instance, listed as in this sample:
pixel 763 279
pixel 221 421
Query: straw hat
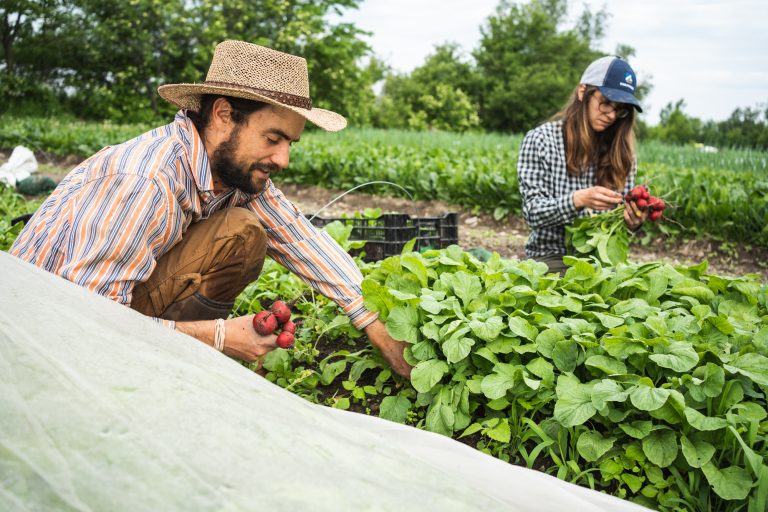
pixel 253 72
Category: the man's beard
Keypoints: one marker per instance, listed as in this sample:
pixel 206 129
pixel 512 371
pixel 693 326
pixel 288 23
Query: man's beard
pixel 233 175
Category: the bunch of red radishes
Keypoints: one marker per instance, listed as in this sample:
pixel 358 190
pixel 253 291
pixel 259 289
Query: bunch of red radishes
pixel 645 201
pixel 279 314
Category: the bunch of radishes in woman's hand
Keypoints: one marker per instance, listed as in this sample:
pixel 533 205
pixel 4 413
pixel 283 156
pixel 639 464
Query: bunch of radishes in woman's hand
pixel 279 314
pixel 645 201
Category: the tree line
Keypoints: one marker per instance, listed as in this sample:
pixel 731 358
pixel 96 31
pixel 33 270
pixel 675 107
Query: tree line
pixel 104 59
pixel 746 127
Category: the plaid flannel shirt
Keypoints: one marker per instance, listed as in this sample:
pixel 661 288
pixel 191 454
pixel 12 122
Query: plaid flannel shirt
pixel 547 189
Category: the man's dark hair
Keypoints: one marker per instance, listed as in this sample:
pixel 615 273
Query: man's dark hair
pixel 241 109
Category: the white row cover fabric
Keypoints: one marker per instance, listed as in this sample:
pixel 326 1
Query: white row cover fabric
pixel 103 409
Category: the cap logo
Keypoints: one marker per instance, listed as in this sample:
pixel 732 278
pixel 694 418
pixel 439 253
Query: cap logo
pixel 627 82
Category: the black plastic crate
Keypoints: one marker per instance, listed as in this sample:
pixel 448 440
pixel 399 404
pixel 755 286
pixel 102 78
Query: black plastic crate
pixel 386 235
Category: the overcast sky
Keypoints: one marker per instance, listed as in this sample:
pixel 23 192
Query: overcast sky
pixel 712 53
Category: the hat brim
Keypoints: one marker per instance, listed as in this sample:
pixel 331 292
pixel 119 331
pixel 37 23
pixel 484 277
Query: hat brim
pixel 187 96
pixel 619 96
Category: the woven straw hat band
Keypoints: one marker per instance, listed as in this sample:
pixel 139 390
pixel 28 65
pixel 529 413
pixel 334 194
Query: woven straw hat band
pixel 281 97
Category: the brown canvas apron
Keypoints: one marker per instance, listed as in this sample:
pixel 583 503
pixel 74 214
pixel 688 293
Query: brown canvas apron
pixel 200 277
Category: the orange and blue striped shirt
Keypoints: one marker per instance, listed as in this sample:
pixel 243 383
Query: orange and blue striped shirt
pixel 112 217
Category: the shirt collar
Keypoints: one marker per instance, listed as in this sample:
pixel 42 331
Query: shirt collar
pixel 198 157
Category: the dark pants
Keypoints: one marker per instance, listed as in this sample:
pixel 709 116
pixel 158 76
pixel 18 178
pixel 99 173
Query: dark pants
pixel 554 262
pixel 201 276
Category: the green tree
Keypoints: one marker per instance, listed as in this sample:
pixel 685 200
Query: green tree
pixel 340 68
pixel 395 106
pixel 746 127
pixel 342 73
pixel 675 126
pixel 445 109
pixel 439 94
pixel 448 66
pixel 27 29
pixel 529 64
pixel 106 58
pixel 16 19
pixel 36 38
pixel 128 49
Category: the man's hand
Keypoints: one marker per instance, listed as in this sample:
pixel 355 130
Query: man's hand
pixel 390 348
pixel 634 216
pixel 241 341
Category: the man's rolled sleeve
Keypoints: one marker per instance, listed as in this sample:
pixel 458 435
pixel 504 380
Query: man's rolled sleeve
pixel 358 314
pixel 311 254
pixel 171 324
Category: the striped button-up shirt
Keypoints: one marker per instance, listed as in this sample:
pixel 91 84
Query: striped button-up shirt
pixel 112 217
pixel 547 189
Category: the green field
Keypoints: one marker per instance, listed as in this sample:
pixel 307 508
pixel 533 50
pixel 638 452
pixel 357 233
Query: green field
pixel 722 195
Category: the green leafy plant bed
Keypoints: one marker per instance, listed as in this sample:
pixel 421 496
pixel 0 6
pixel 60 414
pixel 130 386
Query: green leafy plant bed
pixel 12 205
pixel 644 381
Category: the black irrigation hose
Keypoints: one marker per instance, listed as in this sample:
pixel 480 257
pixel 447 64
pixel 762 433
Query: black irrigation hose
pixel 21 218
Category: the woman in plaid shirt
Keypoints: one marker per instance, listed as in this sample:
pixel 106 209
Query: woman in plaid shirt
pixel 580 160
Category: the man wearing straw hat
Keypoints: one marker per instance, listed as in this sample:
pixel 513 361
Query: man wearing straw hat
pixel 176 222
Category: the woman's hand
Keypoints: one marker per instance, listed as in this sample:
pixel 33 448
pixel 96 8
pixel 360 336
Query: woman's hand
pixel 596 198
pixel 634 216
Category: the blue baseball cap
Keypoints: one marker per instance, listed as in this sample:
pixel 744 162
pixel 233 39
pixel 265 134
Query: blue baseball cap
pixel 614 78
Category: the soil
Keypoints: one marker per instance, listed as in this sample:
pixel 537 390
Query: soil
pixel 507 237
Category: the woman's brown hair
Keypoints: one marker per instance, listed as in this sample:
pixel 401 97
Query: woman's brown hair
pixel 612 151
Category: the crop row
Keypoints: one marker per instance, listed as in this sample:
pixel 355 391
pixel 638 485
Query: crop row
pixel 63 137
pixel 723 195
pixel 481 173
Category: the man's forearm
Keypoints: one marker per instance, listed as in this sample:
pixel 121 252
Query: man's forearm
pixel 237 336
pixel 203 330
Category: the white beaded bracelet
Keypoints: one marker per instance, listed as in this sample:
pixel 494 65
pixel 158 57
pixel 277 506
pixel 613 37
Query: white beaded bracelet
pixel 218 341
